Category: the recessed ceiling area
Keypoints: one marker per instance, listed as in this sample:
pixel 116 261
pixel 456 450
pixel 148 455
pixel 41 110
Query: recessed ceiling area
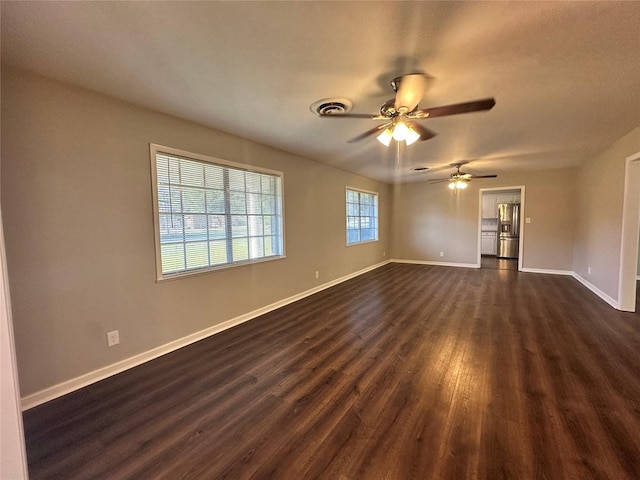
pixel 564 75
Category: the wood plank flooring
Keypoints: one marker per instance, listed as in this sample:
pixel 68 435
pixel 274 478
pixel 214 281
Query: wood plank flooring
pixel 491 261
pixel 406 372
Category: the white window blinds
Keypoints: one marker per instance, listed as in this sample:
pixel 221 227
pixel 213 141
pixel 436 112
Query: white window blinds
pixel 211 215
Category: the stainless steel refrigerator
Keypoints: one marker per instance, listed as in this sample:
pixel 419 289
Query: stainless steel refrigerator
pixel 508 230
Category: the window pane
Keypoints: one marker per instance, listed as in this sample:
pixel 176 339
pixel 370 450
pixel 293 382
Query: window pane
pixel 214 176
pixel 240 249
pixel 255 226
pixel 236 180
pixel 218 252
pixel 256 247
pixel 267 225
pixel 191 173
pixel 175 199
pixel 269 247
pixel 171 228
pixel 238 202
pixel 197 255
pixel 172 257
pixel 162 169
pixel 267 184
pixel 268 204
pixel 195 228
pixel 215 201
pixel 238 226
pixel 254 203
pixel 164 199
pixel 253 182
pixel 193 200
pixel 174 170
pixel 217 227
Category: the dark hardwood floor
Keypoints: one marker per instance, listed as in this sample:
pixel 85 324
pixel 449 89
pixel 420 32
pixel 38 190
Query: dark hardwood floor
pixel 491 261
pixel 406 372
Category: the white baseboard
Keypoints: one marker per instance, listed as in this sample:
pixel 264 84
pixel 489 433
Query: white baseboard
pixel 611 301
pixel 73 384
pixel 440 264
pixel 547 271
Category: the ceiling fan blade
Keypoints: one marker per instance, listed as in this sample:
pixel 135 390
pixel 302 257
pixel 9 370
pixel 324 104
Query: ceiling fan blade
pixel 410 91
pixel 370 132
pixel 440 180
pixel 370 116
pixel 483 176
pixel 425 133
pixel 467 107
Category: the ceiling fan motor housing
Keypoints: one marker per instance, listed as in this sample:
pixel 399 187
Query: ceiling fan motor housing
pixel 388 108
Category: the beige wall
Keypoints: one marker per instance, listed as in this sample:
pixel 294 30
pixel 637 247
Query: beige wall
pixel 430 218
pixel 599 214
pixel 76 197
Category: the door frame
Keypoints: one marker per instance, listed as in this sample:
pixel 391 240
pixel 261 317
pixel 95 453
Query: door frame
pixel 522 220
pixel 630 235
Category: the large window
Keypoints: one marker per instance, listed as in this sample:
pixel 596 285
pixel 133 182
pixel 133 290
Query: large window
pixel 211 214
pixel 362 216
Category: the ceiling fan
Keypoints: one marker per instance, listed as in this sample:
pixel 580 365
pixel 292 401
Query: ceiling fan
pixel 400 113
pixel 459 180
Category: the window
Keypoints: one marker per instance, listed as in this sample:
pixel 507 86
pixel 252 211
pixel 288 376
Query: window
pixel 211 214
pixel 362 216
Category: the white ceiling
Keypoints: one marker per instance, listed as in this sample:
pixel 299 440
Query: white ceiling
pixel 565 75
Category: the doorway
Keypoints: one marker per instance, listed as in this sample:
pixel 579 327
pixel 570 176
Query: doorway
pixel 500 231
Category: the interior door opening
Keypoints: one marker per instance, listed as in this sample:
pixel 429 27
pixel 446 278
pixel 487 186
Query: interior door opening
pixel 500 243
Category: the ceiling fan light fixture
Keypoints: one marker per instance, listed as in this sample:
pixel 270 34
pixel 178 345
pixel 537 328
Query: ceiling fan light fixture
pixel 400 132
pixel 458 184
pixel 385 137
pixel 412 136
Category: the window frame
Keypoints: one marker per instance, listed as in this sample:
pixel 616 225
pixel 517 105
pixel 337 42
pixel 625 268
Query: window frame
pixel 376 196
pixel 154 150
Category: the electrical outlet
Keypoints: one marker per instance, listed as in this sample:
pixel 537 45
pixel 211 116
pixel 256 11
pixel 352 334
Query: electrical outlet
pixel 442 254
pixel 113 338
pixel 317 274
pixel 589 270
pixel 384 254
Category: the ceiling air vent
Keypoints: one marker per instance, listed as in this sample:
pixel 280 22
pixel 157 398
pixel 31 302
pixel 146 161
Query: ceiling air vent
pixel 331 106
